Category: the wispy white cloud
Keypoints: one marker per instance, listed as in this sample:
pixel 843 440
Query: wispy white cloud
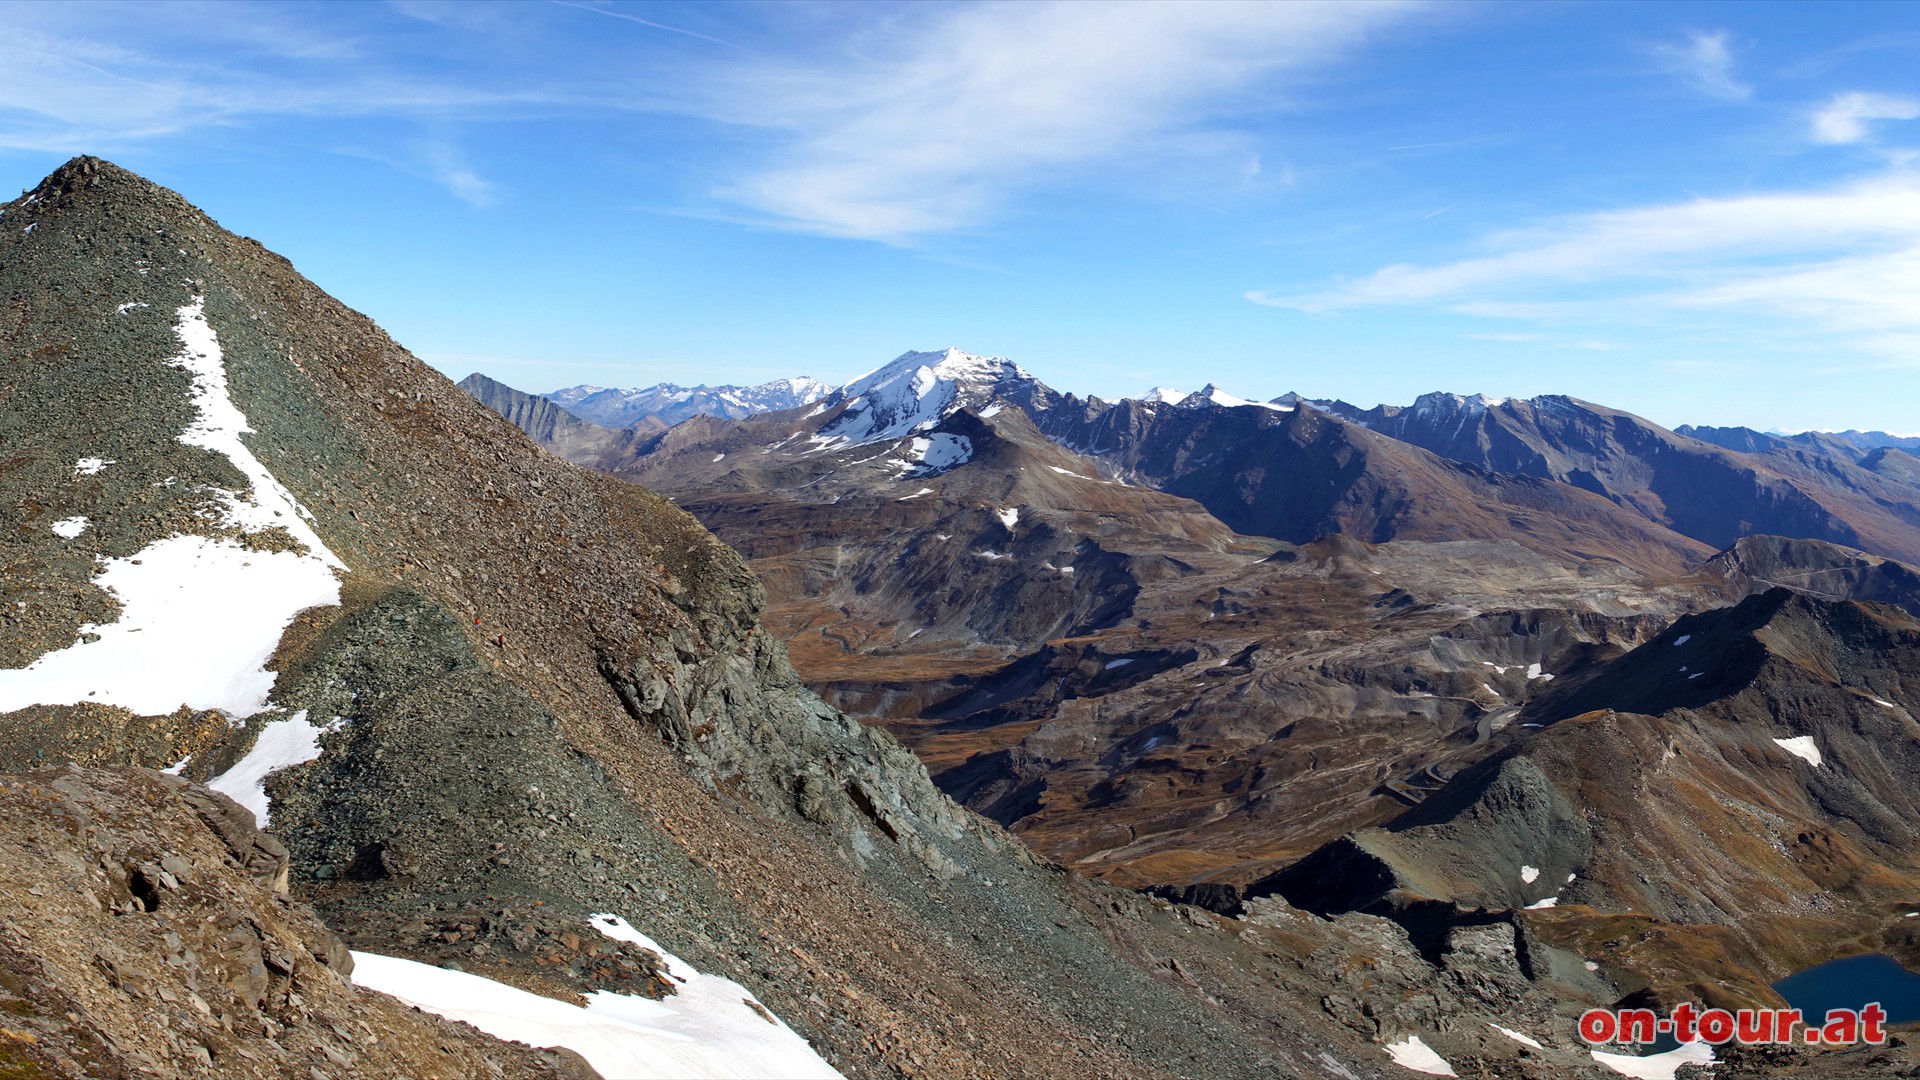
pixel 1839 264
pixel 446 166
pixel 99 79
pixel 937 116
pixel 1705 63
pixel 1845 118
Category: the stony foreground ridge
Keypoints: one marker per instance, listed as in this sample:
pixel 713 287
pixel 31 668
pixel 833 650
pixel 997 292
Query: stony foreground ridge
pixel 149 933
pixel 553 698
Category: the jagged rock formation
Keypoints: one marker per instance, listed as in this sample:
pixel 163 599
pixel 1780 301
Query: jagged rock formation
pixel 542 693
pixel 1298 474
pixel 541 418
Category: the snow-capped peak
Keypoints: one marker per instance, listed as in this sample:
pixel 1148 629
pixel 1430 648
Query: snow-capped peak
pixel 1213 395
pixel 1164 394
pixel 916 391
pixel 1444 402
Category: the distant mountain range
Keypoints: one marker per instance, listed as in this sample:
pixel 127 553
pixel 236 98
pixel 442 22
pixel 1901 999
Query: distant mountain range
pixel 665 404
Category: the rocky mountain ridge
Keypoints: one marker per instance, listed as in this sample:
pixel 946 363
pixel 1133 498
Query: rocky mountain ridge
pixel 666 404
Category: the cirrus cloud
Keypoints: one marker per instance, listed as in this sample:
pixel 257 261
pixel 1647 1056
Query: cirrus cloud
pixel 1838 264
pixel 943 114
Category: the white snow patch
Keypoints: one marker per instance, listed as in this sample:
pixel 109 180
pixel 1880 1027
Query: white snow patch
pixel 1122 662
pixel 88 466
pixel 282 744
pixel 122 309
pixel 1590 965
pixel 1656 1066
pixel 719 457
pixel 1682 640
pixel 1418 1056
pixel 174 769
pixel 1883 703
pixel 940 450
pixel 1801 746
pixel 991 411
pixel 992 555
pixel 1065 569
pixel 1524 1040
pixel 199 620
pixel 1213 395
pixel 199 617
pixel 1165 394
pixel 1065 472
pixel 219 427
pixel 1539 905
pixel 1534 672
pixel 1695 675
pixel 1529 874
pixel 70 527
pixel 1009 518
pixel 619 1035
pixel 915 495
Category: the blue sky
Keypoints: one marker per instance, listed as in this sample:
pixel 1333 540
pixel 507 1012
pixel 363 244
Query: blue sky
pixel 1704 213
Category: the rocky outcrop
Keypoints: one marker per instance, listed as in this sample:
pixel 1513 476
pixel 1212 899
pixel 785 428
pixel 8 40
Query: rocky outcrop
pixel 541 418
pixel 149 933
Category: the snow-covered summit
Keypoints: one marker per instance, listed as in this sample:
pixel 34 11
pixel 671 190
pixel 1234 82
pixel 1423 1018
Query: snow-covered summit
pixel 1213 395
pixel 919 389
pixel 1165 395
pixel 1442 402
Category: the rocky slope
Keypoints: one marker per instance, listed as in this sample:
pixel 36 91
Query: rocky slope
pixel 1726 804
pixel 541 418
pixel 1298 474
pixel 540 694
pixel 149 933
pixel 1807 486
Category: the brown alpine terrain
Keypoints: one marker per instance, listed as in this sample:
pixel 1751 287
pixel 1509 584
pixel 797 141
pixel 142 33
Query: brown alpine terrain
pixel 1716 490
pixel 1386 681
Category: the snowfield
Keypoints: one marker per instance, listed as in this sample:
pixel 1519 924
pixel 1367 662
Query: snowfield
pixel 711 1028
pixel 281 744
pixel 1415 1054
pixel 1656 1066
pixel 1802 747
pixel 199 617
